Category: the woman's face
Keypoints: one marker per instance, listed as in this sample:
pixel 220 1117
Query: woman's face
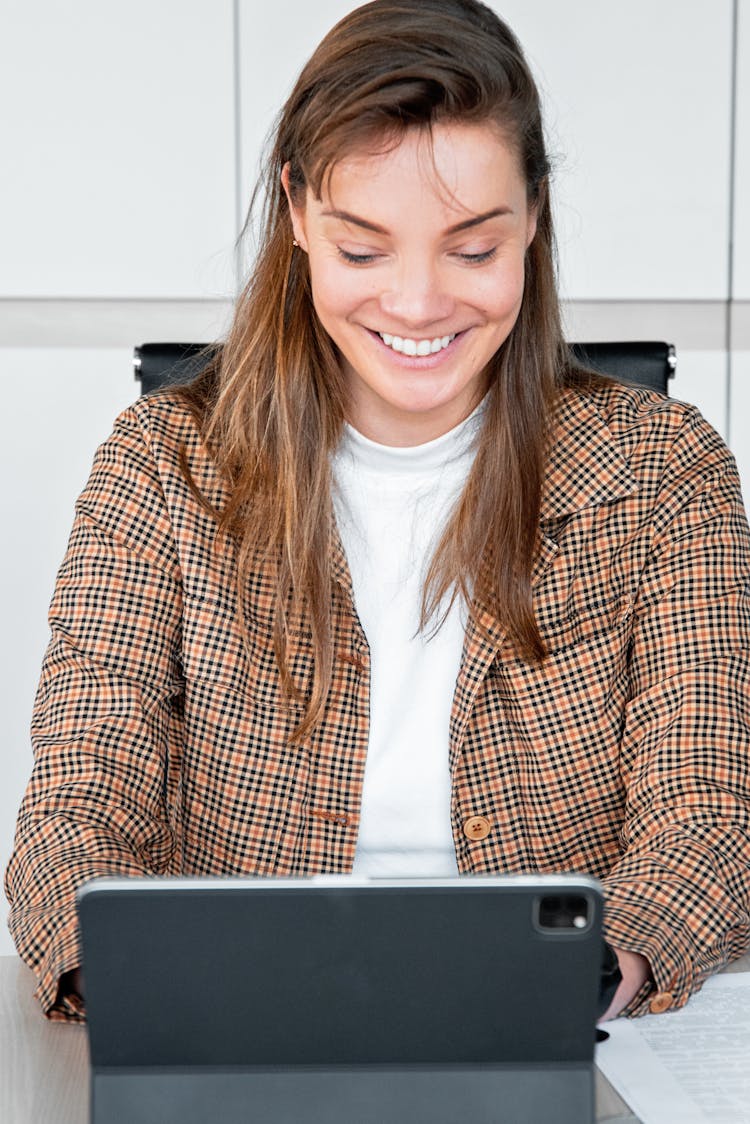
pixel 417 267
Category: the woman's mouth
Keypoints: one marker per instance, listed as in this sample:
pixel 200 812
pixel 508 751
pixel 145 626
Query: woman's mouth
pixel 406 346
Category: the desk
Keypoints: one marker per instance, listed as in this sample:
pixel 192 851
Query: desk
pixel 44 1066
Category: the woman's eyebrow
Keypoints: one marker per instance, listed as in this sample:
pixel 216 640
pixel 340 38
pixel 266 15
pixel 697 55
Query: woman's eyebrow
pixel 466 224
pixel 477 220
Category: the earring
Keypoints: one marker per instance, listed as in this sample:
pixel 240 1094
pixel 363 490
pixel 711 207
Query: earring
pixel 295 243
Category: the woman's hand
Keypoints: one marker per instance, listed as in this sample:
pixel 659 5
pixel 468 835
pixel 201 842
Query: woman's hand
pixel 635 971
pixel 71 983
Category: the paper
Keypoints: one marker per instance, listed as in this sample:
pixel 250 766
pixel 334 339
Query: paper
pixel 690 1066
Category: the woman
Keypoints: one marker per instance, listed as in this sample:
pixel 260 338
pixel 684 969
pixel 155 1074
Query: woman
pixel 393 586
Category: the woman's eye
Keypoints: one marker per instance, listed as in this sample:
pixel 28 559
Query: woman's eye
pixel 365 259
pixel 478 259
pixel 356 259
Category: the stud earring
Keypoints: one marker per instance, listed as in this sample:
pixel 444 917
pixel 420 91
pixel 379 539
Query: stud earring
pixel 295 243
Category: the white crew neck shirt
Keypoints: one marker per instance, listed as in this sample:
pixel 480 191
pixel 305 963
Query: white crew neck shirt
pixel 391 505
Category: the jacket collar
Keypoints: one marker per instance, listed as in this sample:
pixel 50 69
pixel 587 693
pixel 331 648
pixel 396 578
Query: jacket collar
pixel 586 467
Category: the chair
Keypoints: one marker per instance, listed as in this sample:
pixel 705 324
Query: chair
pixel 157 365
pixel 648 364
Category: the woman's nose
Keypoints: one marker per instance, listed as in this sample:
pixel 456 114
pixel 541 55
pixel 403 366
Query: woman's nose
pixel 417 298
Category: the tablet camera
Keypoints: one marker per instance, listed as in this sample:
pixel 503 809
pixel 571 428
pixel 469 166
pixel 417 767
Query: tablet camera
pixel 561 912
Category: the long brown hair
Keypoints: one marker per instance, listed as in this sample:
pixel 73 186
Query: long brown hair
pixel 272 409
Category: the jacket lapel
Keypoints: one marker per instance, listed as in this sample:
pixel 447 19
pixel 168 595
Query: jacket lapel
pixel 586 468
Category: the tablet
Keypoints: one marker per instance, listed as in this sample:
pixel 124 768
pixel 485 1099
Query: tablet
pixel 340 999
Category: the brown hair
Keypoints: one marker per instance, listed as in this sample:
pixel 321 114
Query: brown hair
pixel 272 410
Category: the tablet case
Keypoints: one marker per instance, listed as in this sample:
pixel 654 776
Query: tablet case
pixel 341 1000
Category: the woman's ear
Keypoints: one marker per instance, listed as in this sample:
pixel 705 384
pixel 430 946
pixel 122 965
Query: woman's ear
pixel 531 224
pixel 533 211
pixel 297 213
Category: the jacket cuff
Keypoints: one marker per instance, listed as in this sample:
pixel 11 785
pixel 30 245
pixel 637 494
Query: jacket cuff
pixel 63 955
pixel 647 930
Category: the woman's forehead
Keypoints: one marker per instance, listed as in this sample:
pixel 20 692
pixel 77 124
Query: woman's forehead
pixel 466 168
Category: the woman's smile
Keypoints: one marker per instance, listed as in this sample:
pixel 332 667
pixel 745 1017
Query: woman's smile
pixel 417 347
pixel 418 353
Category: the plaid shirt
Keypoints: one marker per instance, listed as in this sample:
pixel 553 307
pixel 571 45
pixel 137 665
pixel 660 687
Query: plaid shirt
pixel 162 744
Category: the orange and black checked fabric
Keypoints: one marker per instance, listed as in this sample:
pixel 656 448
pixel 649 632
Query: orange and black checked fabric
pixel 162 743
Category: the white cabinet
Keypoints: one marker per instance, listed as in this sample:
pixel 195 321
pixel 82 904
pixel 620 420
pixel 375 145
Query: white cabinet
pixel 117 134
pixel 275 41
pixel 59 404
pixel 742 161
pixel 119 138
pixel 739 425
pixel 638 100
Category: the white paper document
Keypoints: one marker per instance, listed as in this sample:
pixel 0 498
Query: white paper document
pixel 690 1066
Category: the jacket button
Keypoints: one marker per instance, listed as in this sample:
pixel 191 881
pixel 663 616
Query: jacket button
pixel 477 827
pixel 661 1002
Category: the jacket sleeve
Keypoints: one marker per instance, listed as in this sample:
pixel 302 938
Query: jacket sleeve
pixel 680 894
pixel 106 710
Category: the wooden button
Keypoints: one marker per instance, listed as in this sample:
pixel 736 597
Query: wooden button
pixel 661 1002
pixel 477 827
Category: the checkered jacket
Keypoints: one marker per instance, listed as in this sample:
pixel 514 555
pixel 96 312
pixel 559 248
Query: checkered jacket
pixel 162 743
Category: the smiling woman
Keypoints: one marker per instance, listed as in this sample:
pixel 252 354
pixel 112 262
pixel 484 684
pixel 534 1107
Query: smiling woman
pixel 394 586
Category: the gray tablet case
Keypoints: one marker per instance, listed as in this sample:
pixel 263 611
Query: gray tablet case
pixel 342 1000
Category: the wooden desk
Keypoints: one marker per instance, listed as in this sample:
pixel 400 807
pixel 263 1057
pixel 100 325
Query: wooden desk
pixel 44 1066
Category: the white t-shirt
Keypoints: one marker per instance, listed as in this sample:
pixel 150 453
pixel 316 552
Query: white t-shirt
pixel 391 505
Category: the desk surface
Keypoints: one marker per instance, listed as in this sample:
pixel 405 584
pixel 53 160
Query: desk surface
pixel 44 1066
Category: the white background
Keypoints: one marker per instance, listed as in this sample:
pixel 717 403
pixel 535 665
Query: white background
pixel 131 137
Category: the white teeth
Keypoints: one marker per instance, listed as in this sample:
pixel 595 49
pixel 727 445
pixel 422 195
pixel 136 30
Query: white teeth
pixel 416 347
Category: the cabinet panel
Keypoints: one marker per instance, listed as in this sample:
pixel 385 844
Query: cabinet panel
pixel 62 403
pixel 275 42
pixel 120 122
pixel 742 158
pixel 739 425
pixel 638 100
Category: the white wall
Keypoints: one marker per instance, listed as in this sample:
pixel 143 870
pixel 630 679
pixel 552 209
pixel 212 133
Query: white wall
pixel 131 142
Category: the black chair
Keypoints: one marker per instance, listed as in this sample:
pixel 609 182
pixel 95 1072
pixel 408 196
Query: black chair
pixel 157 365
pixel 648 364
